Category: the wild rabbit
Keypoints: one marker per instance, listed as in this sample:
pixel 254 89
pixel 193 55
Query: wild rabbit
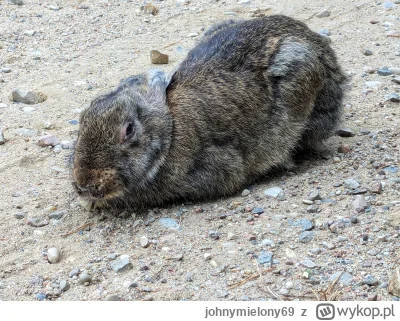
pixel 243 101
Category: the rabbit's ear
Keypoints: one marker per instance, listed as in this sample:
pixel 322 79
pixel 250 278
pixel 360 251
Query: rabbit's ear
pixel 158 82
pixel 131 81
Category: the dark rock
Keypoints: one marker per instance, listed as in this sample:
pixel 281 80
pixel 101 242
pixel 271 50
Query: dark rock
pixel 158 58
pixel 345 132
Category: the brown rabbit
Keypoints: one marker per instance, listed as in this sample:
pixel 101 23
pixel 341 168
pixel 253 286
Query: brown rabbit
pixel 244 100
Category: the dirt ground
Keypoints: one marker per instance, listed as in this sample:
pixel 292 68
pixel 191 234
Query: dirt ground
pixel 249 247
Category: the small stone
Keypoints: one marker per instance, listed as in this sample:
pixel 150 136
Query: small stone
pixel 231 236
pixel 144 242
pixel 64 285
pixel 371 280
pixel 207 256
pixel 308 264
pixel 305 224
pixel 323 14
pixel 5 70
pixel 394 283
pixel 274 192
pixel 36 222
pixel 112 297
pixel 20 215
pixel 265 257
pixel 351 183
pixel 257 210
pixel 48 125
pixel 57 215
pixel 396 80
pixel 214 235
pixel 316 250
pixel 394 70
pixel 48 140
pixel 122 264
pixel 169 223
pixel 395 98
pixel 193 35
pixel 267 242
pixel 306 236
pixel 28 110
pixel 40 296
pixel 2 139
pixel 214 264
pixel 28 97
pixel 73 273
pixel 2 105
pixel 343 149
pixel 158 58
pixel 387 5
pixel 230 13
pixel 308 202
pixel 53 255
pixel 85 278
pixel 73 122
pixel 345 132
pixel 324 32
pixel 377 188
pixel 314 195
pixel 336 160
pixel 150 9
pixel 29 33
pixel 384 71
pixel 53 7
pixel 372 297
pixel 16 2
pixel 246 192
pixel 367 52
pixel 345 278
pixel 373 84
pixel 360 204
pixel 312 209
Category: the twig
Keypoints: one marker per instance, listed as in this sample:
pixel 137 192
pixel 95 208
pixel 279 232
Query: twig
pixel 171 44
pixel 77 230
pixel 249 278
pixel 394 36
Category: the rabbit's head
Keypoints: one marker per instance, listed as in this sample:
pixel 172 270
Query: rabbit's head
pixel 123 138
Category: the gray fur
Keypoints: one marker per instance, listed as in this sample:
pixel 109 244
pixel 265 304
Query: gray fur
pixel 244 100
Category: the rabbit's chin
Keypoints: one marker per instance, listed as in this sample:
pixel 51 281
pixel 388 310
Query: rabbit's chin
pixel 90 204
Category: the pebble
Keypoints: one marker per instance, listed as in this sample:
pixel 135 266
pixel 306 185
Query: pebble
pixel 265 257
pixel 37 222
pixel 396 80
pixel 343 149
pixel 214 235
pixel 122 264
pixel 267 242
pixel 308 202
pixel 305 224
pixel 306 236
pixel 25 132
pixel 323 14
pixel 345 132
pixel 370 280
pixel 360 204
pixel 308 264
pixel 112 297
pixel 29 33
pixel 158 58
pixel 57 215
pixel 53 7
pixel 367 52
pixel 48 140
pixel 231 236
pixel 274 192
pixel 40 296
pixel 3 105
pixel 5 70
pixel 395 98
pixel 246 192
pixel 373 84
pixel 377 188
pixel 257 210
pixel 150 9
pixel 85 278
pixel 384 71
pixel 2 139
pixel 28 97
pixel 351 183
pixel 372 297
pixel 394 283
pixel 389 5
pixel 20 215
pixel 144 242
pixel 64 285
pixel 394 70
pixel 312 209
pixel 324 32
pixel 16 2
pixel 28 110
pixel 344 279
pixel 169 223
pixel 314 195
pixel 73 122
pixel 207 256
pixel 53 255
pixel 193 34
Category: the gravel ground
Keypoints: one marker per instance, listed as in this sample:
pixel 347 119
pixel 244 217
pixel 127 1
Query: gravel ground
pixel 334 217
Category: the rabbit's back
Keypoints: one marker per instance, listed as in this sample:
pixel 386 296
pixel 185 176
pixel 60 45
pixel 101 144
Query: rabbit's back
pixel 245 97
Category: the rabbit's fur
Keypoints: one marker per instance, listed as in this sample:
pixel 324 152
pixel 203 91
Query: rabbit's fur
pixel 244 100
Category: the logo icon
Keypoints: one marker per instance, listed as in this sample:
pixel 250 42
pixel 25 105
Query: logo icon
pixel 325 311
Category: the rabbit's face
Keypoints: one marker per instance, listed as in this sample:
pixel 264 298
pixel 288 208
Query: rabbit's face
pixel 121 143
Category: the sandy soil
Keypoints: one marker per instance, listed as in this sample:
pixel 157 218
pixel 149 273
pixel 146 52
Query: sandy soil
pixel 72 51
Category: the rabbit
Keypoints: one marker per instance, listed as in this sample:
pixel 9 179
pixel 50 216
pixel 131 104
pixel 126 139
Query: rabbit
pixel 246 98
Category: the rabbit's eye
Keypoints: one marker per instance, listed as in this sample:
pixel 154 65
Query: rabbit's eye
pixel 129 130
